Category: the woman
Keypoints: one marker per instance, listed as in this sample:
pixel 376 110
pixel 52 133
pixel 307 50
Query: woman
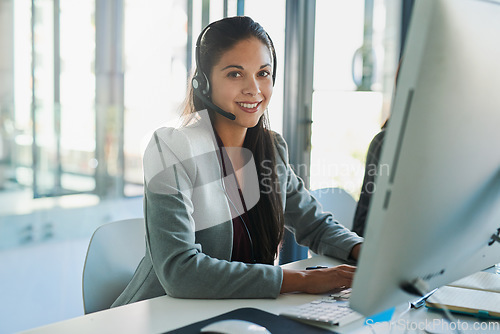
pixel 372 169
pixel 219 190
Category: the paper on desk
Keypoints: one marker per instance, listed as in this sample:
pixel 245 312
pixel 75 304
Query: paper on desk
pixel 479 281
pixel 466 300
pixel 477 294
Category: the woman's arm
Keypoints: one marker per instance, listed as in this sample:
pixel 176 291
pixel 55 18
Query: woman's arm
pixel 355 252
pixel 318 280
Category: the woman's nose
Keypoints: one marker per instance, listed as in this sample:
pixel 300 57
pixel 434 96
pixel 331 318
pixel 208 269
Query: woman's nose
pixel 251 87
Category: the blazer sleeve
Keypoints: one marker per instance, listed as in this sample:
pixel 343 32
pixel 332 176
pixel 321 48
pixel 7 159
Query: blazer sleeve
pixel 182 268
pixel 304 217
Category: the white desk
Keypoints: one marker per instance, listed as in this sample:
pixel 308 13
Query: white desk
pixel 164 313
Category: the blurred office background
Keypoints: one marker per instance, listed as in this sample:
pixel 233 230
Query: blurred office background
pixel 83 83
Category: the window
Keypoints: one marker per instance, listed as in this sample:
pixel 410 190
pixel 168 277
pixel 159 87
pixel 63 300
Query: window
pixel 348 105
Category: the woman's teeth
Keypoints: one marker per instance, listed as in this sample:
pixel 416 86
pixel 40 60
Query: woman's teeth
pixel 248 105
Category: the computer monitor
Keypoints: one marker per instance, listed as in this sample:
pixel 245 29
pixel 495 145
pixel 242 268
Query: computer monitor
pixel 433 214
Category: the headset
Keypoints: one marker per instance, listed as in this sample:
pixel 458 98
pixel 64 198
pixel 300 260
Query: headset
pixel 201 85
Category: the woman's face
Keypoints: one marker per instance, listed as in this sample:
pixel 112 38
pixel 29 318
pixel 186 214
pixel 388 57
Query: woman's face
pixel 241 82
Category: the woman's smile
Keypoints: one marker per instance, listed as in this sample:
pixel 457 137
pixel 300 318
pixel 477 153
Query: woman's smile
pixel 249 107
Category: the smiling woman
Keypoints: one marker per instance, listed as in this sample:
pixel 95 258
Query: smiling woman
pixel 219 190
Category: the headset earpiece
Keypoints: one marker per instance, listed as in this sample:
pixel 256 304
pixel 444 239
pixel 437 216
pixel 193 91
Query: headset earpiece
pixel 201 83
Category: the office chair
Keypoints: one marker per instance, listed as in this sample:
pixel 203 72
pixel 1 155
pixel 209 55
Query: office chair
pixel 114 252
pixel 335 200
pixel 339 202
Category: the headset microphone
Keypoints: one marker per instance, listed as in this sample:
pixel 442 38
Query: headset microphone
pixel 209 103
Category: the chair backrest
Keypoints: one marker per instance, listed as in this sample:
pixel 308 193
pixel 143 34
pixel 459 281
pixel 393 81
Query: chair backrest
pixel 339 202
pixel 114 252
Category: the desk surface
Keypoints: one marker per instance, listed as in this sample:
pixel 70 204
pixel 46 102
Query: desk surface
pixel 165 313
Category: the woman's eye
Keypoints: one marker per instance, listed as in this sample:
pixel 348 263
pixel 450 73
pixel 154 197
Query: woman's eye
pixel 234 74
pixel 264 74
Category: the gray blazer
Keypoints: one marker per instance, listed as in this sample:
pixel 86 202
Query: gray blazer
pixel 189 231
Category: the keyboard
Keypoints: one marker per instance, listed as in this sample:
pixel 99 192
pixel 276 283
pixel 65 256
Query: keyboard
pixel 331 310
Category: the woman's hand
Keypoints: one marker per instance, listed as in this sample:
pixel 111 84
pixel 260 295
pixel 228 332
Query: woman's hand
pixel 317 280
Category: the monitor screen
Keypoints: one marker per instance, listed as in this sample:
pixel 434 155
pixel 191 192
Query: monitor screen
pixel 436 203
